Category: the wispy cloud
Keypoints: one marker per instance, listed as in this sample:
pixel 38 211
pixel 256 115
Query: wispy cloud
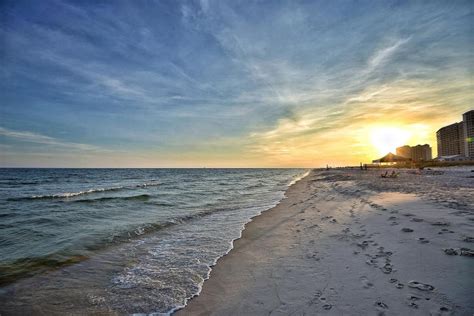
pixel 30 137
pixel 382 55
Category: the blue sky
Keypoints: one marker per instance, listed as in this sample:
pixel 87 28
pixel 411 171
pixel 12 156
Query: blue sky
pixel 226 83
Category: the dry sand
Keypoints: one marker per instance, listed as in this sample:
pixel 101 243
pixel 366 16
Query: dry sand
pixel 350 243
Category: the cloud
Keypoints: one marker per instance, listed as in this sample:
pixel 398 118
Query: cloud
pixel 382 55
pixel 36 138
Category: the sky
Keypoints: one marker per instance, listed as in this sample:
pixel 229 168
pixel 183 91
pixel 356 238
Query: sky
pixel 228 83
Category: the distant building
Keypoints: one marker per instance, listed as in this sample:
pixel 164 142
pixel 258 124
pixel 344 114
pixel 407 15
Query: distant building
pixel 468 120
pixel 421 153
pixel 457 139
pixel 450 140
pixel 415 153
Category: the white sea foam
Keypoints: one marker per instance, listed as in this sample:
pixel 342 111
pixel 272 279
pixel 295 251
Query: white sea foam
pixel 299 177
pixel 91 191
pixel 73 194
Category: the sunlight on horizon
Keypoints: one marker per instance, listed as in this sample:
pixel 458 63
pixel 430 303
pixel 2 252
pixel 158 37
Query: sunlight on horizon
pixel 387 139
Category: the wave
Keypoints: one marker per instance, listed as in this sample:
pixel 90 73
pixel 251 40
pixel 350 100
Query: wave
pixel 64 195
pixel 298 178
pixel 18 183
pixel 91 191
pixel 147 184
pixel 140 197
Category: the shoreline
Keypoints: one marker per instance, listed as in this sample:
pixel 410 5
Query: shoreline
pixel 236 244
pixel 292 258
pixel 232 244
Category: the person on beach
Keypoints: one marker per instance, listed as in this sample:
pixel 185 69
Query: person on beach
pixel 392 175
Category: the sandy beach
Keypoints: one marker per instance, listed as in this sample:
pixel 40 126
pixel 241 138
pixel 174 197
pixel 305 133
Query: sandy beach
pixel 347 242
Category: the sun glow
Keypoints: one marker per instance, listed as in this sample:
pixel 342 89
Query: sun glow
pixel 387 139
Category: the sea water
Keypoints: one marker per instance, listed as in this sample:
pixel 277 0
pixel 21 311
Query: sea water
pixel 128 240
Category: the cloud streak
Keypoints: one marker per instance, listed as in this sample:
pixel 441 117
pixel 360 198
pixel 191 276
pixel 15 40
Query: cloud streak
pixel 381 56
pixel 30 137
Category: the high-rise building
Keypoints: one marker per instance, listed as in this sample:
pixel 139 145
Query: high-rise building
pixel 415 153
pixel 450 140
pixel 458 138
pixel 468 133
pixel 421 153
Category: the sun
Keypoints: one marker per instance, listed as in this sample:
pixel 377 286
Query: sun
pixel 387 139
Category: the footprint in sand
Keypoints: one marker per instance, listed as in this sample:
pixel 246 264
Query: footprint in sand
pixel 363 244
pixel 327 306
pixel 450 251
pixel 411 299
pixel 440 224
pixel 318 294
pixel 420 286
pixel 468 239
pixel 387 268
pixel 407 230
pixel 443 310
pixel 417 220
pixel 444 231
pixel 366 284
pixel 381 307
pixel 423 240
pixel 371 262
pixel 399 286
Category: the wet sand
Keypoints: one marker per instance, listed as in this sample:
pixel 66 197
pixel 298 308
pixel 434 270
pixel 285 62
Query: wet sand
pixel 350 243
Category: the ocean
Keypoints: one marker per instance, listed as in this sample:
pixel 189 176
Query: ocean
pixel 122 240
